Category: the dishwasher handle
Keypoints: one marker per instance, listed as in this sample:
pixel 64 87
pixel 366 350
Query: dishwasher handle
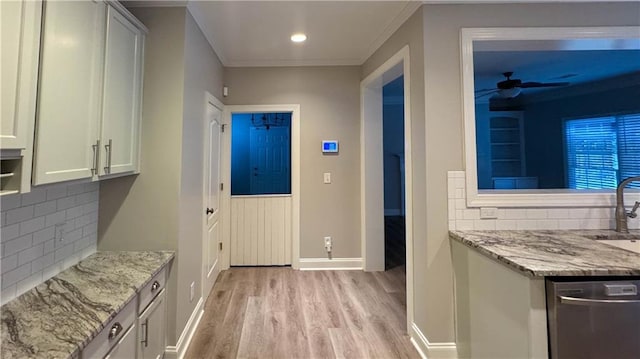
pixel 591 302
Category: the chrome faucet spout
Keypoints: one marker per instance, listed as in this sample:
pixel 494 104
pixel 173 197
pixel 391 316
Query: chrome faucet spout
pixel 621 213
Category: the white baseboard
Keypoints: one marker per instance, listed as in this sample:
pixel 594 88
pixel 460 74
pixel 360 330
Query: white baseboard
pixel 178 351
pixel 431 350
pixel 393 212
pixel 331 264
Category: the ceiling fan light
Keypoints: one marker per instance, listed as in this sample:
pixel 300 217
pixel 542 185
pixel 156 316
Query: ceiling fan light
pixel 509 93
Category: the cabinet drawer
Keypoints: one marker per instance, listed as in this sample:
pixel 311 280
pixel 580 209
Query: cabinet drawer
pixel 102 343
pixel 151 290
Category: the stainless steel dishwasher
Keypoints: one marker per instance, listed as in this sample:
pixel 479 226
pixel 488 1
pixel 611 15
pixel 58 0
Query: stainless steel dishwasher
pixel 597 318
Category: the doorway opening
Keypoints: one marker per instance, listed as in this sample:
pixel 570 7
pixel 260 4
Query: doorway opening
pixel 372 175
pixel 395 255
pixel 260 189
pixel 261 165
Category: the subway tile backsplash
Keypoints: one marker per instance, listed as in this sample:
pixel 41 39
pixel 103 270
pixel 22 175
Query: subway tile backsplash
pixel 44 232
pixel 462 217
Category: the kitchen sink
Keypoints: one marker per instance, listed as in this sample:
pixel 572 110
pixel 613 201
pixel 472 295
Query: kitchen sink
pixel 629 241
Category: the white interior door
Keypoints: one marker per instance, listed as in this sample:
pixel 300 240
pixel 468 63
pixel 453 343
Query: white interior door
pixel 211 237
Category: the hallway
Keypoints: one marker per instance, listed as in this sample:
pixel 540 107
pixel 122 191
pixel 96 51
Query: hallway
pixel 277 312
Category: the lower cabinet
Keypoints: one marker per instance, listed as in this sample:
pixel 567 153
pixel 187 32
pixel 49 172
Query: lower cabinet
pixel 138 330
pixel 151 329
pixel 126 347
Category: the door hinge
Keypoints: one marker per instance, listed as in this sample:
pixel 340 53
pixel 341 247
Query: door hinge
pixel 222 127
pixel 220 245
pixel 221 186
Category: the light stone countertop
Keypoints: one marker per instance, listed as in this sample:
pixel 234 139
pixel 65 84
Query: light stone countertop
pixel 59 317
pixel 543 253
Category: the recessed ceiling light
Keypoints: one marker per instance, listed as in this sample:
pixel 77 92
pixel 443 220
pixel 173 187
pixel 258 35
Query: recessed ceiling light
pixel 298 37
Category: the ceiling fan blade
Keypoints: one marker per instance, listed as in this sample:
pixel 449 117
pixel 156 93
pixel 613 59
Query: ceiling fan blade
pixel 492 91
pixel 542 84
pixel 485 90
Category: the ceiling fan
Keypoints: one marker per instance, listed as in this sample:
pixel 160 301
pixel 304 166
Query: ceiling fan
pixel 511 88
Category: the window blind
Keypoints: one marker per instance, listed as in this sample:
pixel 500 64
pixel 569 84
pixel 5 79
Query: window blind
pixel 592 153
pixel 629 147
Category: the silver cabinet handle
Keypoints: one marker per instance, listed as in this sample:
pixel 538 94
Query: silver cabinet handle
pixel 115 330
pixel 96 150
pixel 155 286
pixel 589 302
pixel 109 149
pixel 145 331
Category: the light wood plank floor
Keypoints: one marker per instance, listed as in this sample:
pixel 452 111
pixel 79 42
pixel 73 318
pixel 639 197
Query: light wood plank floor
pixel 277 312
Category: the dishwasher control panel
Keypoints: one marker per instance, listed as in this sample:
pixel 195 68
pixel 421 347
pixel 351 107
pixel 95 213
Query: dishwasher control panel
pixel 619 289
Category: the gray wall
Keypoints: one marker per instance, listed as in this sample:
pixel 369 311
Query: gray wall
pixel 329 99
pixel 411 33
pixel 161 207
pixel 444 124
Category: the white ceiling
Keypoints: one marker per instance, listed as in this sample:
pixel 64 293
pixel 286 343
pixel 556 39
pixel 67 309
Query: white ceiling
pixel 257 33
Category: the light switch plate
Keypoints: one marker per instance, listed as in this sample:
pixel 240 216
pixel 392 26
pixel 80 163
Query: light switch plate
pixel 327 177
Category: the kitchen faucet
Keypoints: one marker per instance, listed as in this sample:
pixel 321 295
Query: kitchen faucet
pixel 621 213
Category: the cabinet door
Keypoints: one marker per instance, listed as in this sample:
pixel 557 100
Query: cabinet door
pixel 20 25
pixel 151 342
pixel 126 347
pixel 70 88
pixel 122 95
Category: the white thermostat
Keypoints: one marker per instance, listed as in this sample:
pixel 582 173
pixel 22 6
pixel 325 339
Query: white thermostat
pixel 330 146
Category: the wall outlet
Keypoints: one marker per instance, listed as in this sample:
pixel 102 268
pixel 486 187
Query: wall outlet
pixel 59 234
pixel 192 291
pixel 327 244
pixel 488 213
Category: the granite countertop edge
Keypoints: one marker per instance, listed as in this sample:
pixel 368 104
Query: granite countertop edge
pixel 558 235
pixel 44 292
pixel 127 301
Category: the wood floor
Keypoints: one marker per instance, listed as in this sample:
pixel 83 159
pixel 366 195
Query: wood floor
pixel 277 312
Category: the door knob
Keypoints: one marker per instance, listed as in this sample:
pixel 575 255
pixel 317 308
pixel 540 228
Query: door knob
pixel 209 210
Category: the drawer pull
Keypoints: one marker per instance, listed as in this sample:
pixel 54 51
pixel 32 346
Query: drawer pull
pixel 115 331
pixel 108 148
pixel 155 286
pixel 145 330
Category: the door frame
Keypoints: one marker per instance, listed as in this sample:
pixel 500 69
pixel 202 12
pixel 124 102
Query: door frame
pixel 371 169
pixel 295 176
pixel 210 99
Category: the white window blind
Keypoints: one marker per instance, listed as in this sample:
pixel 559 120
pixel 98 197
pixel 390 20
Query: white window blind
pixel 602 151
pixel 629 147
pixel 592 160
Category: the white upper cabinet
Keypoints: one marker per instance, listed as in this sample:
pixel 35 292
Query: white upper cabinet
pixel 122 95
pixel 20 26
pixel 70 88
pixel 89 100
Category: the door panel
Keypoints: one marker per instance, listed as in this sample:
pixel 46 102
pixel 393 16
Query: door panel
pixel 261 230
pixel 121 112
pixel 20 25
pixel 151 335
pixel 69 90
pixel 211 237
